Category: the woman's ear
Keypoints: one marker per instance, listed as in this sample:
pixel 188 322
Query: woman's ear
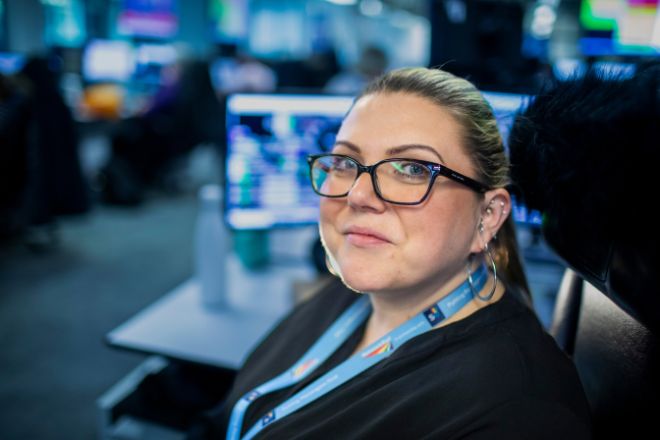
pixel 495 208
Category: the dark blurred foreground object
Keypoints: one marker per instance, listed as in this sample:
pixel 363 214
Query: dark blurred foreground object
pixel 61 187
pixel 586 154
pixel 146 148
pixel 14 123
pixel 40 162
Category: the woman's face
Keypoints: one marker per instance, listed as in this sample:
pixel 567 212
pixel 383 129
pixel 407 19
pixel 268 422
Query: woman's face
pixel 381 247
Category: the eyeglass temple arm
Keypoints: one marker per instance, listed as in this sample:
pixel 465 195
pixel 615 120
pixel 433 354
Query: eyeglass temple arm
pixel 458 177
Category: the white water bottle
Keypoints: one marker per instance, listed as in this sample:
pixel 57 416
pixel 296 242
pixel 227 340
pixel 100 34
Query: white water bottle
pixel 211 247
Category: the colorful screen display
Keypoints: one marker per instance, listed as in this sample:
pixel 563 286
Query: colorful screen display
pixel 11 63
pixel 148 18
pixel 620 27
pixel 108 61
pixel 269 138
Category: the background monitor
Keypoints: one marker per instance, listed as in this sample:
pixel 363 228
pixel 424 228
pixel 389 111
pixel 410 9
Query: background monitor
pixel 268 140
pixel 150 59
pixel 148 18
pixel 620 27
pixel 108 61
pixel 505 106
pixel 11 63
pixel 269 137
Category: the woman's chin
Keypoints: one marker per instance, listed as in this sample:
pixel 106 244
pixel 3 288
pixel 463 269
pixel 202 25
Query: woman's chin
pixel 361 283
pixel 363 272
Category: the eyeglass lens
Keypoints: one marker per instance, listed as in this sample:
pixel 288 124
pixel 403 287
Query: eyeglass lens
pixel 399 181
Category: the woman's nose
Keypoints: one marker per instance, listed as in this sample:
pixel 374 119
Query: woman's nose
pixel 363 194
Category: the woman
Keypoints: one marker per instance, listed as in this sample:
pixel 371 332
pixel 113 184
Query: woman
pixel 431 335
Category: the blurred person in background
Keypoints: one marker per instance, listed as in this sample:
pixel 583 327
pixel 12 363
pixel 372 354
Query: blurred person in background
pixel 309 74
pixel 237 71
pixel 320 68
pixel 373 62
pixel 48 180
pixel 147 148
pixel 14 123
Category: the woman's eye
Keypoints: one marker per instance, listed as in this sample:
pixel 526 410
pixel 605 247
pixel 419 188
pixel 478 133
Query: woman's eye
pixel 410 169
pixel 341 164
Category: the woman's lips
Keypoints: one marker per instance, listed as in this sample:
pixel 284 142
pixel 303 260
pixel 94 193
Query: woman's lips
pixel 365 237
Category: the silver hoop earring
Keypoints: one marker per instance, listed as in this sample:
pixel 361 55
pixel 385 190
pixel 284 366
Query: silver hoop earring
pixel 494 268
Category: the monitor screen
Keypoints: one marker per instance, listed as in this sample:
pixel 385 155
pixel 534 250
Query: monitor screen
pixel 620 27
pixel 505 106
pixel 268 139
pixel 150 59
pixel 64 24
pixel 108 60
pixel 11 63
pixel 148 18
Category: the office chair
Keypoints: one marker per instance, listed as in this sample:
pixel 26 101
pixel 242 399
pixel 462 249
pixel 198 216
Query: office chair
pixel 585 152
pixel 616 357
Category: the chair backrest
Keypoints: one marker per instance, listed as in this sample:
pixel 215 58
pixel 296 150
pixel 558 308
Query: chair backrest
pixel 615 355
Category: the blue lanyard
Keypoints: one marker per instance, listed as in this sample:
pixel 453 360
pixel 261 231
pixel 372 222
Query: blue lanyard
pixel 330 341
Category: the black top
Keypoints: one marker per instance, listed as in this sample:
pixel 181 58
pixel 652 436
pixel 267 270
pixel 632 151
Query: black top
pixel 494 374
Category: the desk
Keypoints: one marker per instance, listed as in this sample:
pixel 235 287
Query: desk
pixel 179 327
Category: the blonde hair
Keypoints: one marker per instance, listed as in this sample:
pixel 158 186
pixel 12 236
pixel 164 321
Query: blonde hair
pixel 482 141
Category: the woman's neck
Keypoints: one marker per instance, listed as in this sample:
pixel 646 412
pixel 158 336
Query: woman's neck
pixel 391 309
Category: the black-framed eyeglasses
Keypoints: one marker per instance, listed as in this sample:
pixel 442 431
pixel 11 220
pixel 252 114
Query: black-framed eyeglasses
pixel 396 180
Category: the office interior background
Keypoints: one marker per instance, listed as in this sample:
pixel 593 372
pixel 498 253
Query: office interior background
pixel 147 145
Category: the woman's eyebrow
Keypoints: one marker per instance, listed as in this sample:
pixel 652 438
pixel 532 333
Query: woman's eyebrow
pixel 394 151
pixel 350 145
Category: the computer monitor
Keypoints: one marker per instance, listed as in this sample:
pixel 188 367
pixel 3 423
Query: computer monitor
pixel 505 106
pixel 624 27
pixel 158 19
pixel 108 61
pixel 150 59
pixel 268 139
pixel 11 63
